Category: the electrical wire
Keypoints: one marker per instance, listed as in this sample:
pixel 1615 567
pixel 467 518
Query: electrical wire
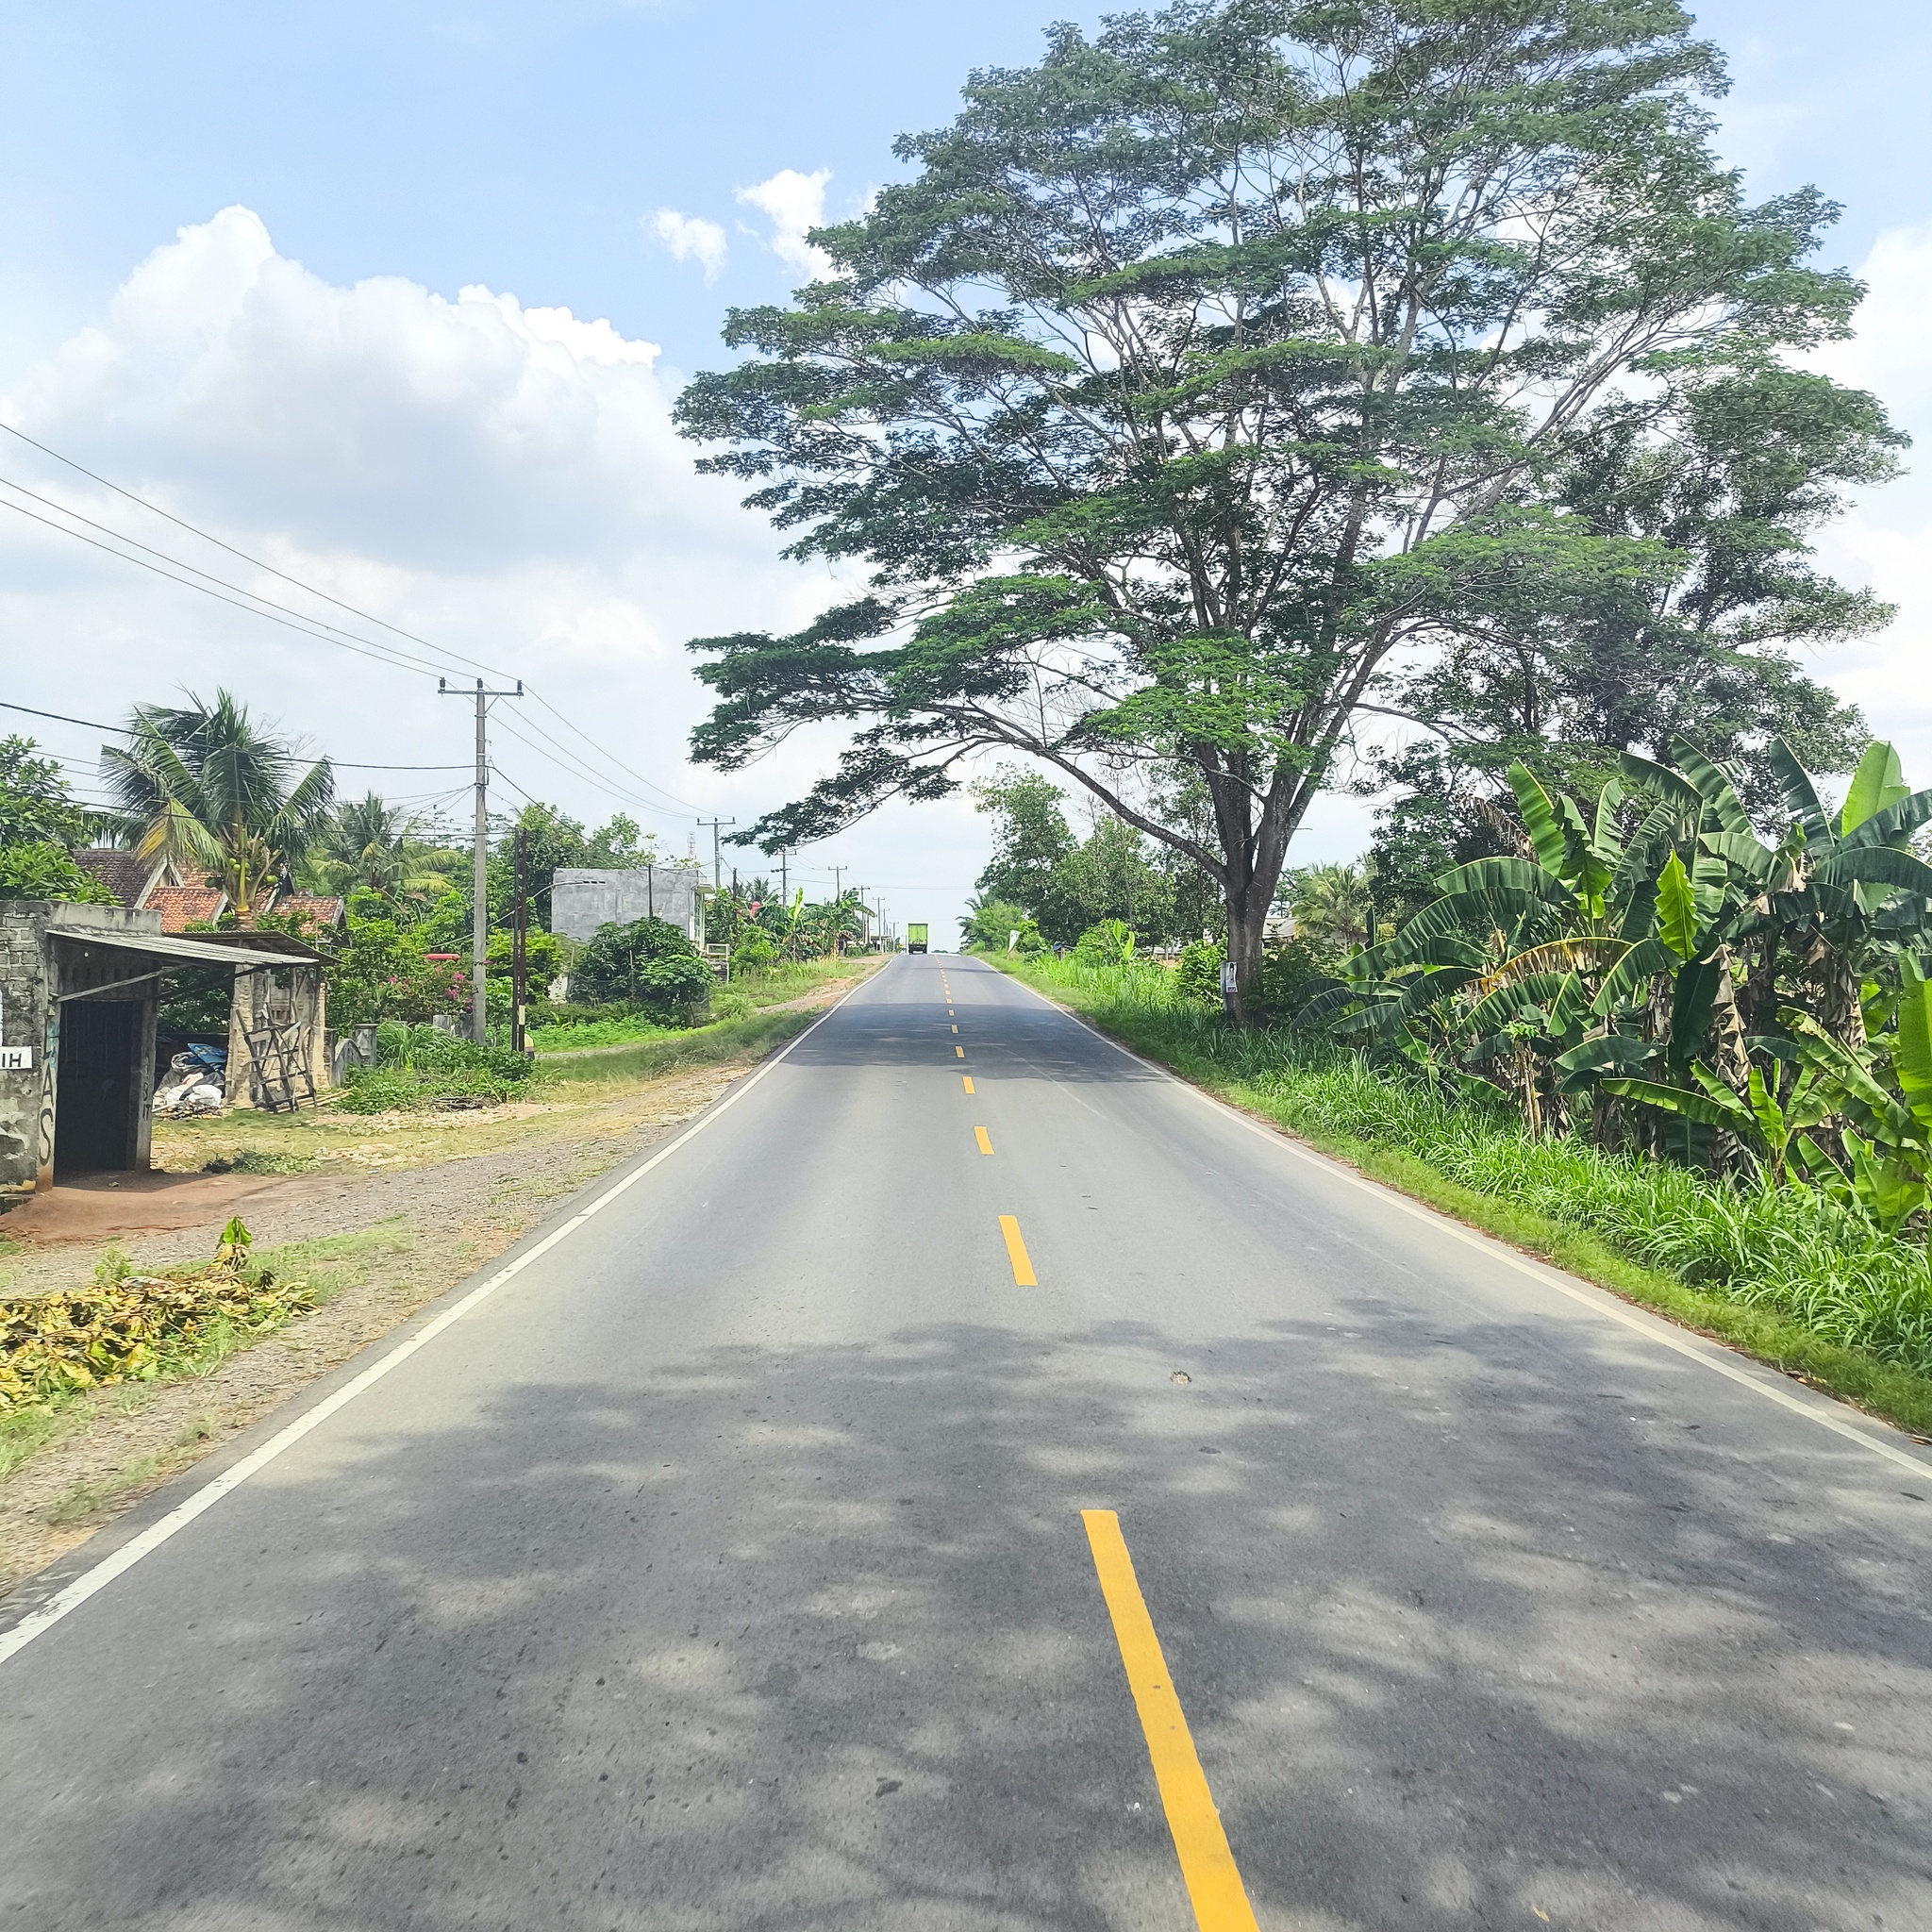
pixel 368 617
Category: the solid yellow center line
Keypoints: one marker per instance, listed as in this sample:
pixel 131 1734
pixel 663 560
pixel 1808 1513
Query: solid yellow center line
pixel 1207 1867
pixel 1016 1253
pixel 960 1051
pixel 985 1145
pixel 968 1078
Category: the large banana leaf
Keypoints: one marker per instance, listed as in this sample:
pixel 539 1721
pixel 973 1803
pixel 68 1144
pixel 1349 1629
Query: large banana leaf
pixel 1801 796
pixel 1911 1057
pixel 1650 779
pixel 1713 786
pixel 1547 836
pixel 1877 784
pixel 1555 956
pixel 1677 920
pixel 1623 1054
pixel 1624 984
pixel 1745 851
pixel 1545 995
pixel 1894 825
pixel 1877 865
pixel 1711 1111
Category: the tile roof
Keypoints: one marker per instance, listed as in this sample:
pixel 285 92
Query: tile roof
pixel 180 905
pixel 121 873
pixel 310 907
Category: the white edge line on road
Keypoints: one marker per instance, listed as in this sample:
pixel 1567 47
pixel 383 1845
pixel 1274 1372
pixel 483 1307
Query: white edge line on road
pixel 156 1534
pixel 1653 1327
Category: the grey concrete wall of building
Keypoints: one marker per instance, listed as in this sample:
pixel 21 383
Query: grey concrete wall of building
pixel 30 1019
pixel 583 898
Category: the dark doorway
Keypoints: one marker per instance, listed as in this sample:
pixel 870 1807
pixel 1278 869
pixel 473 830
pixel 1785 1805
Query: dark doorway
pixel 94 1097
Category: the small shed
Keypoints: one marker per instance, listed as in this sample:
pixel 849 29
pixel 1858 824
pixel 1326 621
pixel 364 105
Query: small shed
pixel 79 990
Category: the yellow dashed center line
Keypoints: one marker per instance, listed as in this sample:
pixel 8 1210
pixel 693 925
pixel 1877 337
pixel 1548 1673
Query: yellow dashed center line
pixel 960 1051
pixel 956 1029
pixel 1207 1867
pixel 968 1079
pixel 1016 1253
pixel 979 1135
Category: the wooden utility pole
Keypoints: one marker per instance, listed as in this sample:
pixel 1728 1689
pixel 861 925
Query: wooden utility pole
pixel 519 944
pixel 479 910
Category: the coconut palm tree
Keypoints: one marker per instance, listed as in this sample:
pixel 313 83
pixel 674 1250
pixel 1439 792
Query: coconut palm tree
pixel 204 787
pixel 1331 903
pixel 368 843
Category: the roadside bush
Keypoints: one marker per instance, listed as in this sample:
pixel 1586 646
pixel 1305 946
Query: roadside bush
pixel 1108 944
pixel 754 951
pixel 418 1066
pixel 650 964
pixel 1198 979
pixel 1292 972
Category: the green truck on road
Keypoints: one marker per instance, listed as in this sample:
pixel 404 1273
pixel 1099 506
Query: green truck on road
pixel 915 939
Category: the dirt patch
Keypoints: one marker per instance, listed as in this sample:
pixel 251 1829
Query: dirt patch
pixel 430 1224
pixel 99 1208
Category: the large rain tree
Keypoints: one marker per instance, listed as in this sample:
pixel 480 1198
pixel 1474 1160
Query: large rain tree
pixel 1215 372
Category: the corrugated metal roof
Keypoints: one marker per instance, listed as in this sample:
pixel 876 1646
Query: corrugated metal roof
pixel 175 945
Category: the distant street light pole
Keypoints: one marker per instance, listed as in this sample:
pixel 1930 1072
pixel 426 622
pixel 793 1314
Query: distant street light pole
pixel 479 910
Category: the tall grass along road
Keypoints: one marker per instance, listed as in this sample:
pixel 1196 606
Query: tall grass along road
pixel 968 1481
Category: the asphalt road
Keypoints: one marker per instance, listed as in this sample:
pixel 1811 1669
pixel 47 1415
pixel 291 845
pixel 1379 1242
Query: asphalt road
pixel 726 1567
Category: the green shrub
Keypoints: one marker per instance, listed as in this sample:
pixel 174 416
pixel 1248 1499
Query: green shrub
pixel 650 964
pixel 1197 980
pixel 418 1066
pixel 1108 944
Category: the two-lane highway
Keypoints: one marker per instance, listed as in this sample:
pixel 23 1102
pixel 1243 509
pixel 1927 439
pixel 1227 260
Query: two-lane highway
pixel 972 1481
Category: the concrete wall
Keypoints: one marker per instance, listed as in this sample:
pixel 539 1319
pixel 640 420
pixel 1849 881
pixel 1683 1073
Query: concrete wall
pixel 31 975
pixel 581 899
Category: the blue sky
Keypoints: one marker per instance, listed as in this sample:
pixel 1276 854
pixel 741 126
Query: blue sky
pixel 526 151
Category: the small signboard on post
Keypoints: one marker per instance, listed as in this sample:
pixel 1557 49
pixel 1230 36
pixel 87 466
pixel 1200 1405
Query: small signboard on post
pixel 16 1059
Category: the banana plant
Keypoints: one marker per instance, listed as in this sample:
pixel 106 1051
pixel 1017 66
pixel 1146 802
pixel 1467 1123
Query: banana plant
pixel 1887 1139
pixel 1770 1128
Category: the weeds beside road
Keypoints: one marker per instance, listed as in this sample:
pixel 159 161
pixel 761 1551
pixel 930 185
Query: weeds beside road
pixel 1797 1281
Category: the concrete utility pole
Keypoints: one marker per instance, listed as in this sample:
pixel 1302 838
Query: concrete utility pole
pixel 518 946
pixel 717 865
pixel 479 912
pixel 784 883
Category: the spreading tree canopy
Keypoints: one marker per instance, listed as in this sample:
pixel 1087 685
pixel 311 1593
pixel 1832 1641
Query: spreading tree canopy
pixel 1229 366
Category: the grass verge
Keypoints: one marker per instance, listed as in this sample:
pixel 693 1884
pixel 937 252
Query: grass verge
pixel 700 1047
pixel 1313 1102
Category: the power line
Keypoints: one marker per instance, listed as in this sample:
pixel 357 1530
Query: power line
pixel 368 617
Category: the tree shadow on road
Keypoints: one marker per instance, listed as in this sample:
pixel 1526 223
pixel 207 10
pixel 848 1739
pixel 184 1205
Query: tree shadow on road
pixel 809 1638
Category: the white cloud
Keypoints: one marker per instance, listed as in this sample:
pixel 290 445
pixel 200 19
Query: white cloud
pixel 794 203
pixel 691 238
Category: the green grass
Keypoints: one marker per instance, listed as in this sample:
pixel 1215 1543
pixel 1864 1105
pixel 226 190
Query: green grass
pixel 699 1046
pixel 785 982
pixel 1785 1275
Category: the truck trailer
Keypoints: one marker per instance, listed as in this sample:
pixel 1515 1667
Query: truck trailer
pixel 915 939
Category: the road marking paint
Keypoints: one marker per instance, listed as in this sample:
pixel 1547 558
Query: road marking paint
pixel 979 1135
pixel 960 1051
pixel 205 1498
pixel 1016 1253
pixel 968 1079
pixel 956 1029
pixel 1600 1300
pixel 1207 1867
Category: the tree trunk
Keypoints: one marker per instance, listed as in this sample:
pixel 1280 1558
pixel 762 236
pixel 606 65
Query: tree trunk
pixel 1247 919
